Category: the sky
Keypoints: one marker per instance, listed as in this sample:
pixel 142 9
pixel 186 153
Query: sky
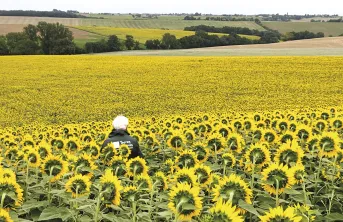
pixel 248 7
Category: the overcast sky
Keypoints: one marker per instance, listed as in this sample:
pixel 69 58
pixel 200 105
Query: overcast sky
pixel 188 6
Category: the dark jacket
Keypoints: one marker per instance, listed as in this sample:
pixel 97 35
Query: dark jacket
pixel 123 137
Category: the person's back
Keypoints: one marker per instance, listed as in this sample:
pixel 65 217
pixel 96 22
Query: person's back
pixel 119 136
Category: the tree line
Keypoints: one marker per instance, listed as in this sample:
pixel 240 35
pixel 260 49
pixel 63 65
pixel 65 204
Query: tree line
pixel 44 38
pixel 54 13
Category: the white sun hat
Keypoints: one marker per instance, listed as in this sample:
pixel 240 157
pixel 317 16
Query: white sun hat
pixel 120 122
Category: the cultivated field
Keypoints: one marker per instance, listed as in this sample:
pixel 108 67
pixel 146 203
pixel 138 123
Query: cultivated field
pixel 143 35
pixel 224 139
pixel 167 85
pixel 126 22
pixel 309 47
pixel 328 28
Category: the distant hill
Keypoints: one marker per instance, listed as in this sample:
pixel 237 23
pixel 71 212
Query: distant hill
pixel 55 13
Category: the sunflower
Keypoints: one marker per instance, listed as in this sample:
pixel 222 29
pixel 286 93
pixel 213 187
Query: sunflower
pixel 130 190
pixel 190 136
pixel 162 180
pixel 124 151
pixel 328 144
pixel 180 197
pixel 94 150
pixel 304 132
pixel 289 153
pixel 229 160
pixel 44 150
pixel 336 123
pixel 203 174
pixel 258 154
pixel 108 152
pixel 298 173
pixel 277 175
pixel 186 176
pixel 78 185
pixel 149 141
pixel 216 142
pixel 305 212
pixel 201 152
pixel 232 188
pixel 110 187
pixel 7 186
pixel 72 145
pixel 186 159
pixel 58 143
pixel 33 158
pixel 234 142
pixel 225 212
pixel 54 166
pixel 118 166
pixel 5 216
pixel 287 136
pixel 144 182
pixel 136 166
pixel 278 214
pixel 320 125
pixel 331 172
pixel 7 173
pixel 176 141
pixel 85 165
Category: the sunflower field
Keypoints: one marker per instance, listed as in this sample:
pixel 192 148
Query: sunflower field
pixel 236 166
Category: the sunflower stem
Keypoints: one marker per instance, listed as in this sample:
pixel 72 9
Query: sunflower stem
pixel 330 203
pixel 215 152
pixel 49 189
pixel 304 190
pixel 277 193
pixel 317 177
pixel 27 180
pixel 134 209
pixel 97 210
pixel 3 196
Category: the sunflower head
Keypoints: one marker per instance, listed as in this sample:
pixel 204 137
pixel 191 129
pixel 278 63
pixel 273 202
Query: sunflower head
pixel 203 174
pixel 136 166
pixel 144 182
pixel 110 188
pixel 289 154
pixel 277 178
pixel 108 152
pixel 181 196
pixel 78 185
pixel 55 167
pixel 33 158
pixel 85 165
pixel 124 150
pixel 200 151
pixel 234 142
pixel 186 159
pixel 224 211
pixel 328 144
pixel 7 173
pixel 216 142
pixel 162 180
pixel 279 214
pixel 298 173
pixel 229 160
pixel 44 150
pixel 7 186
pixel 186 176
pixel 258 154
pixel 176 141
pixel 118 166
pixel 232 188
pixel 5 216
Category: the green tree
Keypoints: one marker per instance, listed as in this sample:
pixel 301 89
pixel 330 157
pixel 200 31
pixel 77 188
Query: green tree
pixel 113 43
pixel 20 44
pixel 137 46
pixel 32 32
pixel 3 46
pixel 170 41
pixel 129 42
pixel 53 36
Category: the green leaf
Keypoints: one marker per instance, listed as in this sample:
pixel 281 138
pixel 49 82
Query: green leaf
pixel 165 214
pixel 248 207
pixel 291 191
pixel 334 217
pixel 54 213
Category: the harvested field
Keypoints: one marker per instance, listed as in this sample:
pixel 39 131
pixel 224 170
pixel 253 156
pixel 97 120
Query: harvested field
pixel 308 47
pixel 6 28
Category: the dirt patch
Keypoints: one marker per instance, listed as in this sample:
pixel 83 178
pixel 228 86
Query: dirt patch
pixel 80 34
pixel 6 28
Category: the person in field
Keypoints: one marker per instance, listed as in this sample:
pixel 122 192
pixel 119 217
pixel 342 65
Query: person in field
pixel 119 136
